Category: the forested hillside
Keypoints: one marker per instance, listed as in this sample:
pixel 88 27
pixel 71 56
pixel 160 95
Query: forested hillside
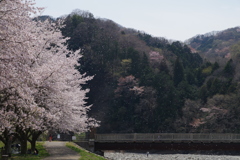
pixel 146 84
pixel 215 46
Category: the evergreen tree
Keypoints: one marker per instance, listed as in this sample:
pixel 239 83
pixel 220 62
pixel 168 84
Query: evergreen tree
pixel 178 72
pixel 229 69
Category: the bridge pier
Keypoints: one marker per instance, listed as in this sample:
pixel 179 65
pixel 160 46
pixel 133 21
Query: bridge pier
pixel 91 144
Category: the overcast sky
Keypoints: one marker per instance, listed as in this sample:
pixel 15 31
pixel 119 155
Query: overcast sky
pixel 172 19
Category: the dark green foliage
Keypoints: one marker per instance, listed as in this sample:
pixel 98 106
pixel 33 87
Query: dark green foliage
pixel 146 72
pixel 178 72
pixel 229 69
pixel 124 103
pixel 163 66
pixel 203 93
pixel 216 86
pixel 215 66
pixel 168 103
pixel 190 77
pixel 189 59
pixel 81 29
pixel 153 41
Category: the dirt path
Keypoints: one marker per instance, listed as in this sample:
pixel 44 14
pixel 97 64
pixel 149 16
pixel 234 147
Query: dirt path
pixel 58 151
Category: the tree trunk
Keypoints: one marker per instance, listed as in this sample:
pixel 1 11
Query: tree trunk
pixel 7 148
pixel 24 146
pixel 22 136
pixel 7 140
pixel 35 135
pixel 33 145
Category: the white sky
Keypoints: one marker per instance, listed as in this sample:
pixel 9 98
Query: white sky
pixel 172 19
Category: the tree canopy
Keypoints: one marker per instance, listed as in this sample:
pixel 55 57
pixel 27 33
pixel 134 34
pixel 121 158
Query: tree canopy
pixel 40 89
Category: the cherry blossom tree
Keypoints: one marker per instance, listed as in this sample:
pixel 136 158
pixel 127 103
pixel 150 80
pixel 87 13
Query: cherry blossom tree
pixel 15 78
pixel 59 89
pixel 40 88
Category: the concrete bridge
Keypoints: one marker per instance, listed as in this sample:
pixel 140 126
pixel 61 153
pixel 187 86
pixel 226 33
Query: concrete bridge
pixel 168 137
pixel 166 141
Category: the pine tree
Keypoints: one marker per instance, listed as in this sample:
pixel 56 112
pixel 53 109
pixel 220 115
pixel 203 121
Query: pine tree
pixel 178 72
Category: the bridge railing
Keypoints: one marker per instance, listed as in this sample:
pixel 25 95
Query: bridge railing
pixel 168 137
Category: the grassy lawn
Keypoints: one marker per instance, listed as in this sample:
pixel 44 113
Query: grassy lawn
pixel 1 144
pixel 85 155
pixel 42 153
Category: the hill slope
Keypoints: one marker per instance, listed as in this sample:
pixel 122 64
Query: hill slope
pixel 215 45
pixel 148 84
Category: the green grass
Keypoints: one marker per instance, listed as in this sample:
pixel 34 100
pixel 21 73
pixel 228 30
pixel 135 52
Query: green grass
pixel 80 136
pixel 42 154
pixel 1 144
pixel 85 155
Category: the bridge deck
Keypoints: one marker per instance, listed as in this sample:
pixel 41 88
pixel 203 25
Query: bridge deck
pixel 169 137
